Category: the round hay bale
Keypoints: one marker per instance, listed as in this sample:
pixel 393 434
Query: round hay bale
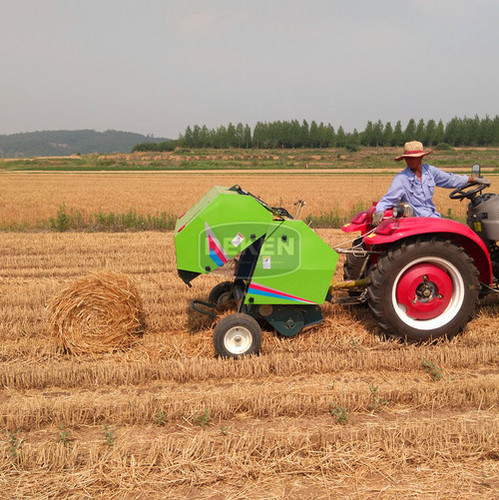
pixel 97 314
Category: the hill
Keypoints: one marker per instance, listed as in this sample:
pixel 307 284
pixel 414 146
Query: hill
pixel 68 142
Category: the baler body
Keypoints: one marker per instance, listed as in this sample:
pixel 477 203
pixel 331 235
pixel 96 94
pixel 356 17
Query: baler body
pixel 282 262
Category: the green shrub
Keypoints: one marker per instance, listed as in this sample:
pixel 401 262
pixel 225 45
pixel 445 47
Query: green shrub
pixel 65 221
pixel 432 370
pixel 340 414
pixel 109 221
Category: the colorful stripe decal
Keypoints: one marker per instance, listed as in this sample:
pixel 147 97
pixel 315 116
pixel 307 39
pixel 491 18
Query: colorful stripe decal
pixel 257 289
pixel 216 252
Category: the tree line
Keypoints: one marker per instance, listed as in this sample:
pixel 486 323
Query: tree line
pixel 295 134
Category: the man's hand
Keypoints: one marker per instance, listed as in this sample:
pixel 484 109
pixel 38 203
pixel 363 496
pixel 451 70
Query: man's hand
pixel 377 218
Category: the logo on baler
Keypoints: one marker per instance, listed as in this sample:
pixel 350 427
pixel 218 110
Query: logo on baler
pixel 276 251
pixel 215 249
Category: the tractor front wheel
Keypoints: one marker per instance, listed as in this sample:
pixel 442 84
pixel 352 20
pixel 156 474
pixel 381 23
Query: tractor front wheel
pixel 237 335
pixel 423 289
pixel 355 267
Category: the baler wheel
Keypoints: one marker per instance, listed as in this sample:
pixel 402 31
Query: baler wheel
pixel 221 296
pixel 237 335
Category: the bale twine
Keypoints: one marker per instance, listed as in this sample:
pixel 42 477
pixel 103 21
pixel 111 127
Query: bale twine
pixel 97 314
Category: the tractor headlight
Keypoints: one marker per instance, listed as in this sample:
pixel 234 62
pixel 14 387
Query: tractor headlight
pixel 403 210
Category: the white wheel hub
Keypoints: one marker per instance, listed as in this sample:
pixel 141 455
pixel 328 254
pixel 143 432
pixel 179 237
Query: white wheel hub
pixel 238 340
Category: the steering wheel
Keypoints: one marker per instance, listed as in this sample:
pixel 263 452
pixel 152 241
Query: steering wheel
pixel 466 192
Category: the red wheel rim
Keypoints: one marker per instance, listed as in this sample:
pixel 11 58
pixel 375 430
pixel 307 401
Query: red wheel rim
pixel 425 290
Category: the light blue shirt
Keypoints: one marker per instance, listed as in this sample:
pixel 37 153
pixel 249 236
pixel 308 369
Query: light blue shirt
pixel 419 193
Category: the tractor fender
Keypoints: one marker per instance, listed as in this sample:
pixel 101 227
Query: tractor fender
pixel 360 222
pixel 363 220
pixel 393 230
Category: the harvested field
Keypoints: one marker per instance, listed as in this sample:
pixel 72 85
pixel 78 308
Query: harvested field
pixel 29 198
pixel 336 412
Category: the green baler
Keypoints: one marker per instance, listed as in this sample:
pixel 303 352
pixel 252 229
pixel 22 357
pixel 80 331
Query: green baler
pixel 283 271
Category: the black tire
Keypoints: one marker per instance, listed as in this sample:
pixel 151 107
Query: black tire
pixel 352 270
pixel 352 267
pixel 423 289
pixel 237 335
pixel 494 258
pixel 221 296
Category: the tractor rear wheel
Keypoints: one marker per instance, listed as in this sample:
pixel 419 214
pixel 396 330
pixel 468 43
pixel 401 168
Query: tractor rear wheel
pixel 237 335
pixel 423 289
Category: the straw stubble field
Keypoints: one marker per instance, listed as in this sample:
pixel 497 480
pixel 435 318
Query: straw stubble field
pixel 335 412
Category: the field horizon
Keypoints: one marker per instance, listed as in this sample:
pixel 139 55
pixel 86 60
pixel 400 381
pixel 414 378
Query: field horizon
pixel 186 159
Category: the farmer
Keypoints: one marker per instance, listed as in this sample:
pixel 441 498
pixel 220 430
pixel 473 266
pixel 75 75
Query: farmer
pixel 415 184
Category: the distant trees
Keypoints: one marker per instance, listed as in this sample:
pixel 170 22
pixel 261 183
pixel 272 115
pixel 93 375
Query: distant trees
pixel 295 134
pixel 373 134
pixel 410 130
pixel 398 136
pixel 155 146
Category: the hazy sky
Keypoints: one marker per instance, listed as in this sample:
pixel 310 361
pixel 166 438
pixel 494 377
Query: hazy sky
pixel 156 66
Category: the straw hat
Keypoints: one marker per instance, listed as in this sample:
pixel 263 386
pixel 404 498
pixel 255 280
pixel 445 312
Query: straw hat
pixel 413 149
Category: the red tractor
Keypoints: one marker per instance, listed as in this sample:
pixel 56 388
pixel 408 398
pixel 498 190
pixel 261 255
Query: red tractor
pixel 425 275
